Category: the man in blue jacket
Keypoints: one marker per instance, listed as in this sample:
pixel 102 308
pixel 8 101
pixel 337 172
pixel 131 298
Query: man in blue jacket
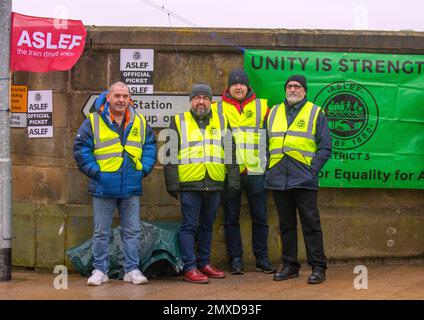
pixel 299 146
pixel 115 148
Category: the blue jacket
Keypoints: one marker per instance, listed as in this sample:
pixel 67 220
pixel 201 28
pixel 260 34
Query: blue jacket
pixel 127 180
pixel 289 173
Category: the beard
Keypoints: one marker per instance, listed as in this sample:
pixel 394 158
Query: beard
pixel 293 99
pixel 201 111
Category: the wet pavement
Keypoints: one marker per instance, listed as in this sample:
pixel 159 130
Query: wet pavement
pixel 401 281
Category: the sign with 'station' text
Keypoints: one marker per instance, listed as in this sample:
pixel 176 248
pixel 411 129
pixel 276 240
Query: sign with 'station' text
pixel 374 104
pixel 157 109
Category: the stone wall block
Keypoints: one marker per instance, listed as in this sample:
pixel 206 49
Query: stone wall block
pixel 154 189
pixel 49 185
pixel 55 80
pixel 79 228
pixel 90 73
pixel 77 188
pixel 50 236
pixel 60 110
pixel 23 233
pixel 39 151
pixel 22 183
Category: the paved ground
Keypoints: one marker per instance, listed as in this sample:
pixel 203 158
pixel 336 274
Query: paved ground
pixel 385 281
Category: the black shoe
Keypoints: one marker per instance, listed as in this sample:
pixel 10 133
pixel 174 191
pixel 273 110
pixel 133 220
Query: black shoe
pixel 286 273
pixel 317 276
pixel 236 266
pixel 264 265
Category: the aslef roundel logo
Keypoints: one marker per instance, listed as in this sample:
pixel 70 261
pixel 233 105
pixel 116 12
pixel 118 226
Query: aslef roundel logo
pixel 37 96
pixel 351 111
pixel 136 55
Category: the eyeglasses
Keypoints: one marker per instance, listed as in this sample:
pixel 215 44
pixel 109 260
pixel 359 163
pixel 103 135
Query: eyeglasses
pixel 198 98
pixel 294 86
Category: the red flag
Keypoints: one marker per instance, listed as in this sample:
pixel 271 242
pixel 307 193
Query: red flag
pixel 45 44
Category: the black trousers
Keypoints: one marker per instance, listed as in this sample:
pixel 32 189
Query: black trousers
pixel 256 194
pixel 304 201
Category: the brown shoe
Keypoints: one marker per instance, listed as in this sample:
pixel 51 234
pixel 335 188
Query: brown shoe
pixel 195 276
pixel 212 272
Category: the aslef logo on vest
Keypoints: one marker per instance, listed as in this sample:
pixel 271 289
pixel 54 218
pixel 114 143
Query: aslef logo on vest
pixel 351 111
pixel 213 131
pixel 135 132
pixel 300 123
pixel 249 114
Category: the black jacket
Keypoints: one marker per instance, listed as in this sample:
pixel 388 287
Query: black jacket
pixel 289 173
pixel 207 184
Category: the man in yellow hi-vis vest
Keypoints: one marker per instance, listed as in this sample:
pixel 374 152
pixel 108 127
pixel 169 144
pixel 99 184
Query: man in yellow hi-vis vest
pixel 299 146
pixel 247 116
pixel 197 176
pixel 115 148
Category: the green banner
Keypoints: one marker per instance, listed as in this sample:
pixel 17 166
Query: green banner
pixel 374 104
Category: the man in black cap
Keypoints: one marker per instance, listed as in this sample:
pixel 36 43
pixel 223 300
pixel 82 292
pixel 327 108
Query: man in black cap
pixel 197 177
pixel 247 116
pixel 299 146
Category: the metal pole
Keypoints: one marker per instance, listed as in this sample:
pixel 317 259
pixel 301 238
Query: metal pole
pixel 5 161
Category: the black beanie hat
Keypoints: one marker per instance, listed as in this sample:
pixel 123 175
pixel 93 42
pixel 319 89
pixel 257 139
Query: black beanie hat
pixel 201 88
pixel 299 78
pixel 238 76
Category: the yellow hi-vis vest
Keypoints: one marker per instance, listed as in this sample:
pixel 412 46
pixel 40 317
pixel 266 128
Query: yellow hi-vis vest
pixel 108 150
pixel 201 151
pixel 297 141
pixel 250 141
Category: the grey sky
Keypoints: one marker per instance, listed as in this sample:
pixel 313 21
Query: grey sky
pixel 307 14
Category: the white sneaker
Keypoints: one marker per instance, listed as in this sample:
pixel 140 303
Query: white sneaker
pixel 135 276
pixel 97 278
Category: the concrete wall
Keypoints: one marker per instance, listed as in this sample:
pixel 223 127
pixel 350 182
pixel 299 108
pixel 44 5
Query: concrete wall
pixel 51 207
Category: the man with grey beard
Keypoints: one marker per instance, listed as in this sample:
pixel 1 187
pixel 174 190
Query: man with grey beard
pixel 299 146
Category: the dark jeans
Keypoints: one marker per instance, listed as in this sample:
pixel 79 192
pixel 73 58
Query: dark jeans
pixel 198 215
pixel 256 194
pixel 306 202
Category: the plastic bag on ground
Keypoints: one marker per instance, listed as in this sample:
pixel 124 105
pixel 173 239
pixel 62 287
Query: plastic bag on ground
pixel 159 252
